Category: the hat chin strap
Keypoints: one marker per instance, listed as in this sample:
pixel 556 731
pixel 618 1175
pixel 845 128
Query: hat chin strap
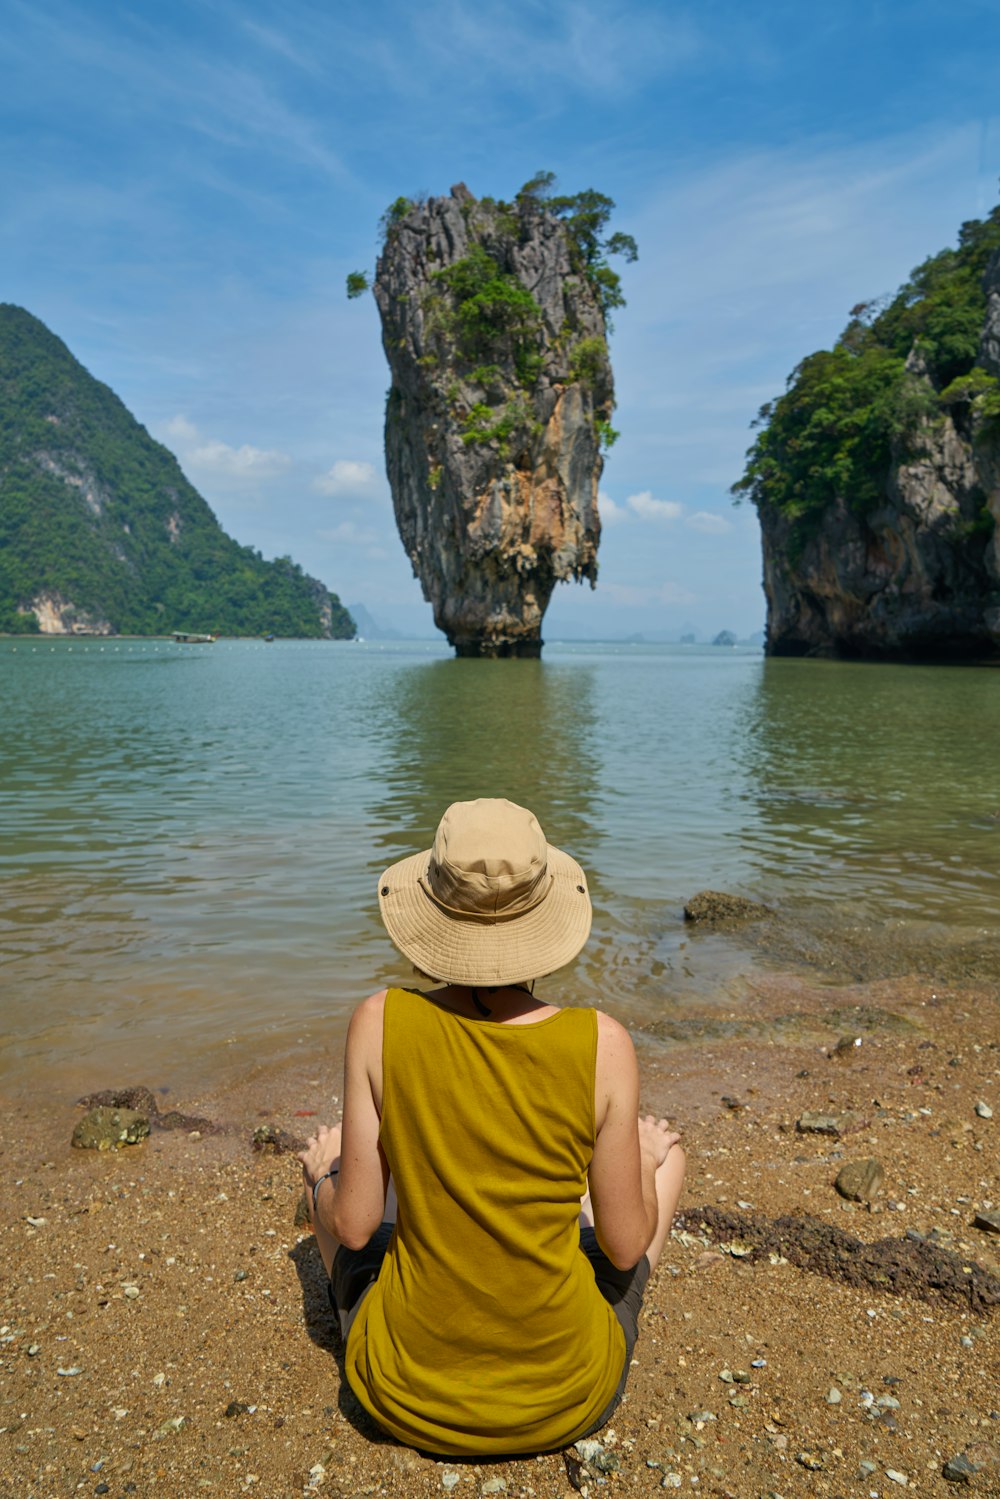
pixel 490 918
pixel 485 1010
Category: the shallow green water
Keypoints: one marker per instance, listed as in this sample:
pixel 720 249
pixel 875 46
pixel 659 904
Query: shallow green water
pixel 191 836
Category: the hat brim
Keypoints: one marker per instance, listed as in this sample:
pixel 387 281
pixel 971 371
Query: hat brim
pixel 483 953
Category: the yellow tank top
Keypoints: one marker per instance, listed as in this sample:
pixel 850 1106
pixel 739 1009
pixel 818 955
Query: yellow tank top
pixel 486 1332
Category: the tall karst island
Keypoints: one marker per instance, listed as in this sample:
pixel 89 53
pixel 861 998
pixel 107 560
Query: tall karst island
pixel 101 533
pixel 876 476
pixel 494 322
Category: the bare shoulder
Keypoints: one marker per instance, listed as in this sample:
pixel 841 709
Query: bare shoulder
pixel 616 1058
pixel 367 1017
pixel 612 1037
pixel 374 1004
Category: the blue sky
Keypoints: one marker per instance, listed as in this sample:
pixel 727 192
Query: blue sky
pixel 186 186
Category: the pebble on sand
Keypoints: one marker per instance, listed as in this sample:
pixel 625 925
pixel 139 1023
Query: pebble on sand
pixel 813 1460
pixel 959 1469
pixel 860 1181
pixel 826 1124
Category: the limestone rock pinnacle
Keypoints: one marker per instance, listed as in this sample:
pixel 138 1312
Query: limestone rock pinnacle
pixel 500 386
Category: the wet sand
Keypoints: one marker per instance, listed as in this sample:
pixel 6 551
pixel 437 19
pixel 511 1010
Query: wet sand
pixel 165 1328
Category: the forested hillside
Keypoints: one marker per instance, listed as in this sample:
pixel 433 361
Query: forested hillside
pixel 99 529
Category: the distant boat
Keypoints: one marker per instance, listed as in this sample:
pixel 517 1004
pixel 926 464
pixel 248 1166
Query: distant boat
pixel 268 637
pixel 186 637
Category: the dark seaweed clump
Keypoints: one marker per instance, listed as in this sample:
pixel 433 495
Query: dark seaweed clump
pixel 901 1266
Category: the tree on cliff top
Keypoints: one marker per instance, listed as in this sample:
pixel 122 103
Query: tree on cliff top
pixel 585 216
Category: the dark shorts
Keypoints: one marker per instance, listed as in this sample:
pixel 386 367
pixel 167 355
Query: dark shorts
pixel 355 1271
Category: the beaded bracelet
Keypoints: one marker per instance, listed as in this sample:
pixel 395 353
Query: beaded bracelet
pixel 335 1171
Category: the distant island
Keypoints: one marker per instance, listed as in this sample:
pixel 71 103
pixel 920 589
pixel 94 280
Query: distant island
pixel 101 533
pixel 876 476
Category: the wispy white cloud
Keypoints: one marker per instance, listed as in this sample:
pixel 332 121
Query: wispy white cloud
pixel 151 71
pixel 280 44
pixel 210 459
pixel 709 522
pixel 813 210
pixel 611 513
pixel 347 476
pixel 578 45
pixel 644 505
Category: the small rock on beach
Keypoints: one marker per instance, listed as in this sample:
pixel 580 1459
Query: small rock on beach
pixel 959 1469
pixel 106 1128
pixel 826 1124
pixel 860 1181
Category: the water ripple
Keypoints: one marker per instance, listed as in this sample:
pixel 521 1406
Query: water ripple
pixel 191 838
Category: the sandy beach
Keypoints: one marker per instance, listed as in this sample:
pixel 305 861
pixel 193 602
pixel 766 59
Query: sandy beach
pixel 165 1329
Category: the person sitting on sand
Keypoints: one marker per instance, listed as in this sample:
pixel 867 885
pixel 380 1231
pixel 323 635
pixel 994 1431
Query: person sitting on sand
pixel 489 1301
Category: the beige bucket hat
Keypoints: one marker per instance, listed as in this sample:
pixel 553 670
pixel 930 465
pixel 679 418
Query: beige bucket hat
pixel 490 903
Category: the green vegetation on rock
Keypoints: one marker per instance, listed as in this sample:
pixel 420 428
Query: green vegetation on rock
pixel 607 435
pixel 849 413
pixel 588 360
pixel 492 314
pixel 97 515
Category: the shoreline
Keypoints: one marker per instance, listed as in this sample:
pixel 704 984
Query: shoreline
pixel 779 977
pixel 171 1276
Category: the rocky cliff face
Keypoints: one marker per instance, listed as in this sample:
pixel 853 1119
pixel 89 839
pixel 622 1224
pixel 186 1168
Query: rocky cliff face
pixel 500 383
pixel 918 576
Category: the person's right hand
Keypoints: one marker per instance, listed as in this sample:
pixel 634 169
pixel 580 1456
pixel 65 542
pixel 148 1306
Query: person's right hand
pixel 322 1151
pixel 656 1138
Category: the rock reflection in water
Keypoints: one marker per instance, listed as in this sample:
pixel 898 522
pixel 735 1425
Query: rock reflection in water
pixel 873 786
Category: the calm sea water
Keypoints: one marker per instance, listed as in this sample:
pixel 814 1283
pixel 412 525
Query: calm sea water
pixel 191 836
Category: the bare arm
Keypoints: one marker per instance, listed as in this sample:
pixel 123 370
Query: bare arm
pixel 627 1151
pixel 351 1205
